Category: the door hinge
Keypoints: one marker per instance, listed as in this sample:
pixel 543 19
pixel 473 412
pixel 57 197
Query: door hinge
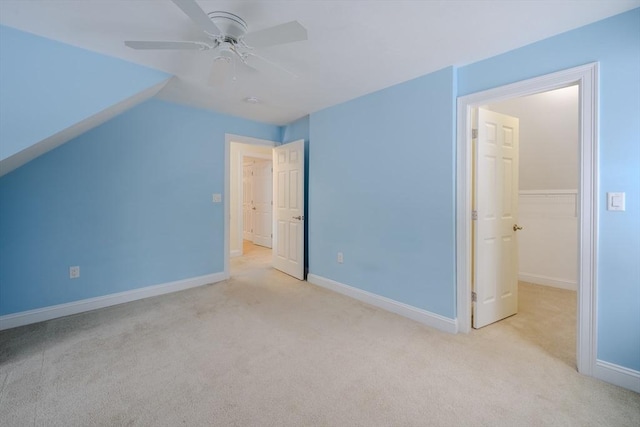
pixel 474 215
pixel 474 133
pixel 474 297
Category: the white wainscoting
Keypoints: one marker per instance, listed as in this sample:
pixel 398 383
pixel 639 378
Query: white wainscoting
pixel 548 244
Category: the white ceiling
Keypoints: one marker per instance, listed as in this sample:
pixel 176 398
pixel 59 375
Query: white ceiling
pixel 354 47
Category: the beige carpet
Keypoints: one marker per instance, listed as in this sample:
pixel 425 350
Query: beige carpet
pixel 264 349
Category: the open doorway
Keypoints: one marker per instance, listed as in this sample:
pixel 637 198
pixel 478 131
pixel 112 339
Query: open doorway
pixel 248 207
pixel 541 232
pixel 254 216
pixel 585 77
pixel 251 200
pixel 287 213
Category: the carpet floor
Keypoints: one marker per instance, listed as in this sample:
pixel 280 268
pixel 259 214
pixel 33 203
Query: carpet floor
pixel 263 349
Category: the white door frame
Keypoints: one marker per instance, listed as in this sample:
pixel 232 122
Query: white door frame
pixel 586 77
pixel 228 139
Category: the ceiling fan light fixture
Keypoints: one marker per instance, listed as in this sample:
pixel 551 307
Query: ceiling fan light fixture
pixel 225 54
pixel 251 100
pixel 222 58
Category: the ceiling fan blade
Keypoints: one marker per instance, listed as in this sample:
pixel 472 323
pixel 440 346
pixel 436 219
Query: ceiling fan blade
pixel 247 67
pixel 197 15
pixel 271 63
pixel 139 44
pixel 280 34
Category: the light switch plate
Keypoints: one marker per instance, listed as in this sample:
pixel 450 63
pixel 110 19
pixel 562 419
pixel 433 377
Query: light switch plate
pixel 217 198
pixel 615 201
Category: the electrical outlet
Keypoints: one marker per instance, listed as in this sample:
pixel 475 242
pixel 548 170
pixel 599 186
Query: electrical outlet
pixel 217 198
pixel 74 272
pixel 340 258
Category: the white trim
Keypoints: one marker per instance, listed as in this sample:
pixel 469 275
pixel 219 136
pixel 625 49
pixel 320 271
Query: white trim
pixel 235 253
pixel 228 138
pixel 39 148
pixel 538 279
pixel 75 307
pixel 618 375
pixel 586 77
pixel 422 316
pixel 249 140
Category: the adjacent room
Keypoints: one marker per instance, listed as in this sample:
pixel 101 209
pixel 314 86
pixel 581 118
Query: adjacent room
pixel 546 135
pixel 243 212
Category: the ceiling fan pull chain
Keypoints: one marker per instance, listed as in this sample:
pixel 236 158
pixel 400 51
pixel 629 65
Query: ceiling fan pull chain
pixel 235 75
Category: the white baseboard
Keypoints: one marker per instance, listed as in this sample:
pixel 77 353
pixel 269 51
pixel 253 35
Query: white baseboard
pixel 422 316
pixel 617 375
pixel 548 281
pixel 235 253
pixel 46 313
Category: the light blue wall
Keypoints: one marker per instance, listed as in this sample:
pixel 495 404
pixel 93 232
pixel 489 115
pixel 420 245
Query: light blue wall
pixel 615 44
pixel 381 179
pixel 381 189
pixel 133 194
pixel 129 202
pixel 47 86
pixel 296 130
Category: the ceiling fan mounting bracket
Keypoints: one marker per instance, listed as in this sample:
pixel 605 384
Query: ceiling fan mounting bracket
pixel 231 26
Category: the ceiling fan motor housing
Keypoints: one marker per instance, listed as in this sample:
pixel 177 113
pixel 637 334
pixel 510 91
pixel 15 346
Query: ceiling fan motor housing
pixel 231 25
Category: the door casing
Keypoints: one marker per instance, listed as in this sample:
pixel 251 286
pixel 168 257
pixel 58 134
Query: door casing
pixel 586 77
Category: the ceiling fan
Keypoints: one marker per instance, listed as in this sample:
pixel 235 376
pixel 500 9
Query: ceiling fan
pixel 228 39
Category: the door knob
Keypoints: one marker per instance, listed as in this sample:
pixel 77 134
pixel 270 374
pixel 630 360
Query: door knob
pixel 516 227
pixel 254 208
pixel 299 217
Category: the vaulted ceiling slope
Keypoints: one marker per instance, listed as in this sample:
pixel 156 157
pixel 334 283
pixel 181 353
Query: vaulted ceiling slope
pixel 354 47
pixel 52 92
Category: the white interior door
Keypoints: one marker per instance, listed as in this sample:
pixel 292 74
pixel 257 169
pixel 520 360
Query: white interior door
pixel 496 205
pixel 288 196
pixel 262 203
pixel 247 197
